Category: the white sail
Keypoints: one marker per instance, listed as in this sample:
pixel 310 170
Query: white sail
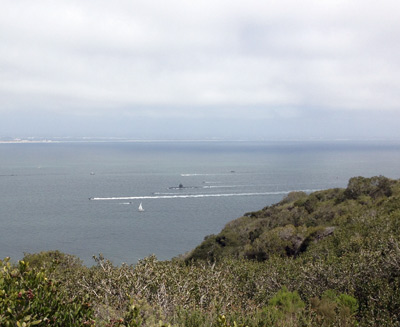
pixel 140 207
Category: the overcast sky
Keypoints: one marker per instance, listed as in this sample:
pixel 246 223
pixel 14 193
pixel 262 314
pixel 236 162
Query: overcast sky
pixel 284 69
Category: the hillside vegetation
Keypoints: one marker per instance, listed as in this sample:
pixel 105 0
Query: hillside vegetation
pixel 299 221
pixel 330 258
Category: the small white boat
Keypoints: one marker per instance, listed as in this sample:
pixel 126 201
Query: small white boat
pixel 140 207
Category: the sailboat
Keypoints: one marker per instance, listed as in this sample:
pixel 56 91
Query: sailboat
pixel 140 207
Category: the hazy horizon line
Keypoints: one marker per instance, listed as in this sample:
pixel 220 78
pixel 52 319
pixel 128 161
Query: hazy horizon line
pixel 105 139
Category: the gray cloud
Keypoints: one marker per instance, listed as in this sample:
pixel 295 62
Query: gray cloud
pixel 247 60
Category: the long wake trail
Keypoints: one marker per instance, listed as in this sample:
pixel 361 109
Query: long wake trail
pixel 185 196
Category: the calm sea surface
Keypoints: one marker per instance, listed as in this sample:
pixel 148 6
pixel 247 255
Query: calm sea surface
pixel 83 198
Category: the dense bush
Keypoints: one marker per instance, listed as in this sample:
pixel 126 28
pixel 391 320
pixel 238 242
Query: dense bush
pixel 375 187
pixel 29 298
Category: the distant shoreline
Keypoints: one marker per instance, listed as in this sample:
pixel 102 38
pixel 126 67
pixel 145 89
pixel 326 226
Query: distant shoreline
pixel 27 141
pixel 122 140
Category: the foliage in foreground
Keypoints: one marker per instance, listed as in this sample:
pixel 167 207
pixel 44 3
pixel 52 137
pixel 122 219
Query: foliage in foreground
pixel 29 298
pixel 331 258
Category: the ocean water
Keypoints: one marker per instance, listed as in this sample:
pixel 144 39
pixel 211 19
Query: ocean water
pixel 82 198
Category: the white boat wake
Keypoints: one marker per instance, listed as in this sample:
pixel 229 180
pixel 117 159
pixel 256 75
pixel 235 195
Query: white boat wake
pixel 186 196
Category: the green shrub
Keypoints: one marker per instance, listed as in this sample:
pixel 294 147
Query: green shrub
pixel 287 302
pixel 377 186
pixel 29 298
pixel 333 310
